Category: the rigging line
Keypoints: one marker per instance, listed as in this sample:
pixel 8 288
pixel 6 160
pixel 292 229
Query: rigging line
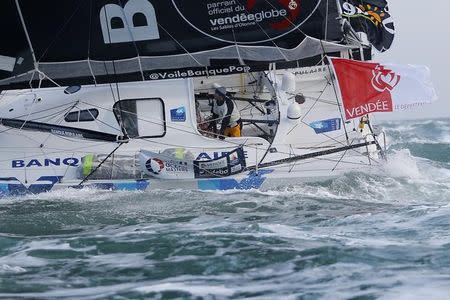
pixel 321 144
pixel 383 154
pixel 48 116
pixel 334 160
pixel 100 121
pixel 268 36
pixel 30 83
pixel 54 107
pixel 317 100
pixel 310 109
pixel 335 92
pixel 89 42
pixel 122 127
pixel 19 10
pixel 58 122
pixel 326 20
pixel 339 142
pixel 86 178
pixel 342 157
pixel 44 77
pixel 308 156
pixel 323 101
pixel 303 164
pixel 134 44
pixel 182 47
pixel 304 21
pixel 75 11
pixel 194 147
pixel 241 61
pixel 104 123
pixel 28 116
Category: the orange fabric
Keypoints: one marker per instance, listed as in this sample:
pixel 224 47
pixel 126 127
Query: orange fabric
pixel 233 131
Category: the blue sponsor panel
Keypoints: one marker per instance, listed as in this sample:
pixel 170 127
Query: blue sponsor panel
pixel 254 180
pixel 46 183
pixel 230 164
pixel 178 114
pixel 42 185
pixel 326 125
pixel 140 185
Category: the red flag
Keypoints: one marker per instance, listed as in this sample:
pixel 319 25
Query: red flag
pixel 365 87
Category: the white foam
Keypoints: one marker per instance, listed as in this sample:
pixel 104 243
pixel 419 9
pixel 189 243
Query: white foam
pixel 193 289
pixel 4 268
pixel 402 164
pixel 290 232
pixel 120 260
pixel 434 287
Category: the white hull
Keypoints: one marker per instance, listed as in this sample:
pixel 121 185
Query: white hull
pixel 37 161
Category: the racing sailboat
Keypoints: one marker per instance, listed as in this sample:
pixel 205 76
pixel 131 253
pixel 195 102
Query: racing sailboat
pixel 115 94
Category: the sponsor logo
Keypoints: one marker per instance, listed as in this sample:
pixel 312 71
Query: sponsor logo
pixel 290 11
pixel 311 70
pixel 36 163
pixel 236 168
pixel 214 172
pixel 384 79
pixel 67 133
pixel 155 165
pixel 374 14
pixel 178 114
pixel 368 108
pixel 216 164
pixel 263 20
pixel 136 21
pixel 215 155
pixel 370 93
pixel 409 106
pixel 174 166
pixel 326 125
pixel 198 73
pixel 248 17
pixel 234 159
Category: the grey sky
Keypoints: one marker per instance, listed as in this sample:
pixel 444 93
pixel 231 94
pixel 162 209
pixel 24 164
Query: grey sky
pixel 422 38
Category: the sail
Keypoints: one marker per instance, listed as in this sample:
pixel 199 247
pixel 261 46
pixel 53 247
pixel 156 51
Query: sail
pixel 96 41
pixel 371 17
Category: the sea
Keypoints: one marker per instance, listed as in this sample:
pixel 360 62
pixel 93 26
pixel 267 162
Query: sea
pixel 366 235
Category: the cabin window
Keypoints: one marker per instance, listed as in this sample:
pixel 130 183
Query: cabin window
pixel 139 20
pixel 72 89
pixel 87 115
pixel 143 118
pixel 117 23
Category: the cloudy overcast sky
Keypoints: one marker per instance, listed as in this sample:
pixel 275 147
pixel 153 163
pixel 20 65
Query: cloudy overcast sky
pixel 423 38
